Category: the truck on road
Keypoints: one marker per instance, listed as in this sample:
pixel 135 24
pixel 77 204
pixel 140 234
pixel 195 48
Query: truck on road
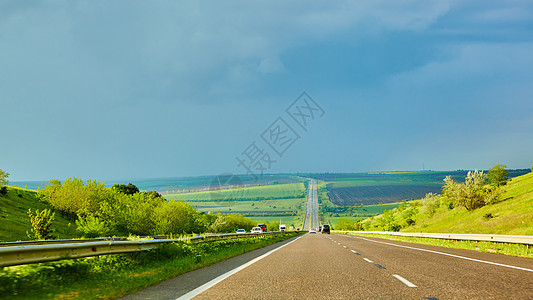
pixel 262 226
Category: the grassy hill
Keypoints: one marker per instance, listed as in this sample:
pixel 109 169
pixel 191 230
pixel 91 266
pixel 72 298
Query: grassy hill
pixel 353 189
pixel 14 220
pixel 512 215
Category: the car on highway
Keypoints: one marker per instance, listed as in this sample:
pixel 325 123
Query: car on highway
pixel 256 230
pixel 241 230
pixel 325 229
pixel 312 230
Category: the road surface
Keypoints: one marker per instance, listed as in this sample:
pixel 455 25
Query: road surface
pixel 311 216
pixel 322 266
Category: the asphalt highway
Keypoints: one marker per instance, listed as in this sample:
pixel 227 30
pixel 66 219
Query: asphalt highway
pixel 311 216
pixel 322 266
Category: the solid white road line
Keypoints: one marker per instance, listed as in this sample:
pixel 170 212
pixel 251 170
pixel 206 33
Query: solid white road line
pixel 452 255
pixel 197 291
pixel 407 282
pixel 368 260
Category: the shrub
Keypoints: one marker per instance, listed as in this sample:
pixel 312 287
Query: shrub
pixel 232 222
pixel 3 190
pixel 430 204
pixel 41 224
pixel 488 216
pixel 176 217
pixel 471 194
pixel 91 226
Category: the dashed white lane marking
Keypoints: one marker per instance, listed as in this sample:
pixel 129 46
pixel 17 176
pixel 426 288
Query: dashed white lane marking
pixel 405 281
pixel 338 243
pixel 353 251
pixel 197 291
pixel 345 247
pixel 452 255
pixel 368 260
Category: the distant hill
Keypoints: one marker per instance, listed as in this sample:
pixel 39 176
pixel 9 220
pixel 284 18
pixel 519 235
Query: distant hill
pixel 513 215
pixel 183 184
pixel 353 189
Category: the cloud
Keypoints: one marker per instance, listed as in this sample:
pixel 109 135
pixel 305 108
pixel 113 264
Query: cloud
pixel 172 49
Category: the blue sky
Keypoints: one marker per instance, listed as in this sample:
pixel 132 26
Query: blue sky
pixel 139 89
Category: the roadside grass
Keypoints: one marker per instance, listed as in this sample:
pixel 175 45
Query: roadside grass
pixel 14 220
pixel 491 247
pixel 267 192
pixel 113 276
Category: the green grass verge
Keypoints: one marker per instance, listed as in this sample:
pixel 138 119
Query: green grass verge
pixel 491 247
pixel 113 276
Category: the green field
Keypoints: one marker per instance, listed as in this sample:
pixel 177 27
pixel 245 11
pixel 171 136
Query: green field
pixel 252 206
pixel 268 192
pixel 270 202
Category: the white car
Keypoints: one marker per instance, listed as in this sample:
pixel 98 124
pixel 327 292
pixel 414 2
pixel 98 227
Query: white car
pixel 312 230
pixel 256 230
pixel 241 230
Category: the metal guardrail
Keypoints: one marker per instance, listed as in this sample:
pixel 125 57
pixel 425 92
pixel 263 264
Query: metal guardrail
pixel 500 238
pixel 44 251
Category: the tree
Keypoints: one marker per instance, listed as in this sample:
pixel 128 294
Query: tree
pixel 129 189
pixel 3 182
pixel 3 177
pixel 498 175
